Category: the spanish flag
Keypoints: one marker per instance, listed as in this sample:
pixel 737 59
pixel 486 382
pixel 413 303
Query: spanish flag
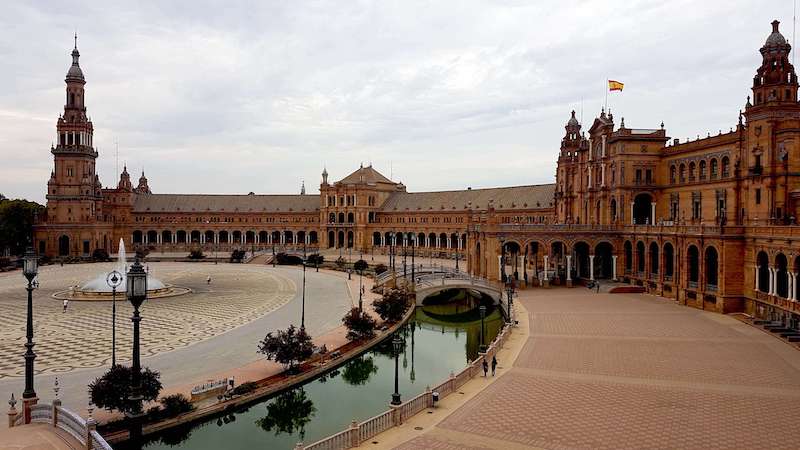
pixel 615 85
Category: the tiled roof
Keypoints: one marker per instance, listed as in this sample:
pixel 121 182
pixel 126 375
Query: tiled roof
pixel 505 198
pixel 365 175
pixel 225 203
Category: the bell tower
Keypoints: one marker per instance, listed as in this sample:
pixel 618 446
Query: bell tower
pixel 775 81
pixel 74 190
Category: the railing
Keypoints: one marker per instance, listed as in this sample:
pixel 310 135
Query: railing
pixel 692 284
pixel 81 430
pixel 357 433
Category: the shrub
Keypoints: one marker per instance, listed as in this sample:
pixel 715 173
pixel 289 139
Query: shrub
pixel 288 260
pixel 380 268
pixel 237 256
pixel 315 259
pixel 340 262
pixel 287 347
pixel 359 325
pixel 196 254
pixel 175 404
pixel 360 265
pixel 111 391
pixel 100 254
pixel 244 388
pixel 392 305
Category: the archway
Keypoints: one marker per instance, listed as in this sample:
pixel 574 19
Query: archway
pixel 340 240
pixel 224 236
pixel 693 259
pixel 478 259
pixel 654 259
pixel 350 241
pixel 351 218
pixel 152 237
pixel 642 208
pixel 510 252
pixel 262 237
pixel 640 258
pixel 331 239
pixel 63 245
pixel 288 237
pixel 166 237
pixel 181 236
pixel 195 236
pixel 376 238
pixel 557 252
pixel 581 252
pixel 628 257
pixel 137 237
pixel 782 278
pixel 762 261
pixel 313 238
pixel 669 261
pixel 249 237
pixel 712 268
pixel 603 261
pixel 237 237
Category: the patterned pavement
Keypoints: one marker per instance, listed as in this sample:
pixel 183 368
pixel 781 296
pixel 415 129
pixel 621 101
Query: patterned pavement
pixel 602 371
pixel 81 337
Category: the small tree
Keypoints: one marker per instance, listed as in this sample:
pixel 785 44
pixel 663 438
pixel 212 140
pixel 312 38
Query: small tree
pixel 287 347
pixel 359 325
pixel 196 253
pixel 380 268
pixel 315 259
pixel 392 305
pixel 175 404
pixel 340 262
pixel 100 254
pixel 360 265
pixel 111 391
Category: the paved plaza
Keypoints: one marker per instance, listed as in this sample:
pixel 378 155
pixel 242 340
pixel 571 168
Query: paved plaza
pixel 215 328
pixel 619 371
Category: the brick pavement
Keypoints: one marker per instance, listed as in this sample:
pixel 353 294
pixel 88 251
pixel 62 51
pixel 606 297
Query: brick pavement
pixel 602 371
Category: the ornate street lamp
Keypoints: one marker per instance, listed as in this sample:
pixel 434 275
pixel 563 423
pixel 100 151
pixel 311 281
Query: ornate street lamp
pixel 114 279
pixel 303 307
pixel 483 314
pixel 509 300
pixel 30 269
pixel 137 294
pixel 413 276
pixel 397 344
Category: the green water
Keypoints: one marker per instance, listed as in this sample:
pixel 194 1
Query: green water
pixel 439 339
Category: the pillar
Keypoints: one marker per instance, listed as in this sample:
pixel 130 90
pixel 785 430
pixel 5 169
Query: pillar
pixel 591 267
pixel 653 213
pixel 614 267
pixel 771 281
pixel 632 218
pixel 546 267
pixel 499 267
pixel 755 283
pixel 792 279
pixel 569 266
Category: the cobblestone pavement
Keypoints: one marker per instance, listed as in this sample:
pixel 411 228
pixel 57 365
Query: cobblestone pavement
pixel 630 371
pixel 81 337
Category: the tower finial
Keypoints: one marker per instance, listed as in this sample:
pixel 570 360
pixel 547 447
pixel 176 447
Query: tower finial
pixel 76 39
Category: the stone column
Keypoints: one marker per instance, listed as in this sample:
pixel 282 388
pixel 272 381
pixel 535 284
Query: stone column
pixel 569 267
pixel 755 282
pixel 771 281
pixel 499 267
pixel 653 213
pixel 632 218
pixel 591 267
pixel 545 267
pixel 614 267
pixel 791 281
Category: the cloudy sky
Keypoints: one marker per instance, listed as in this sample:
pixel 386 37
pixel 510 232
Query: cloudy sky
pixel 232 97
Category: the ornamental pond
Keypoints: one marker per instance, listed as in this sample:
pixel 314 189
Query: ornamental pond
pixel 442 337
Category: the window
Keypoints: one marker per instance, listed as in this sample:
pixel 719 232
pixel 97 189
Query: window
pixel 714 168
pixel 758 196
pixel 70 172
pixel 648 176
pixel 696 205
pixel 726 162
pixel 702 170
pixel 691 171
pixel 683 173
pixel 672 171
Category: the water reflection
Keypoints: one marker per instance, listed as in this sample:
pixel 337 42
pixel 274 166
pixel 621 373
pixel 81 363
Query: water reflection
pixel 287 413
pixel 441 338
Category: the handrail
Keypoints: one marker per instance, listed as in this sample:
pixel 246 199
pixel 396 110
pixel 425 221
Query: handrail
pixel 73 424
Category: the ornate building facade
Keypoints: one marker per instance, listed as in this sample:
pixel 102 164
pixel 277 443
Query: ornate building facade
pixel 711 222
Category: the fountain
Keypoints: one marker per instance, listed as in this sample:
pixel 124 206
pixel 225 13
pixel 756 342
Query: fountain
pixel 98 288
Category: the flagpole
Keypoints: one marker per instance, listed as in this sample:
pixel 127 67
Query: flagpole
pixel 605 103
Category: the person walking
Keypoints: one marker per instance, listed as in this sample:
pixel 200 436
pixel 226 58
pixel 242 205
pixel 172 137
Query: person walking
pixel 485 367
pixel 208 280
pixel 66 304
pixel 597 287
pixel 494 364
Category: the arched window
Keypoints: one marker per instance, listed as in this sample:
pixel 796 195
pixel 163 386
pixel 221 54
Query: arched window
pixel 640 257
pixel 691 171
pixel 714 168
pixel 703 169
pixel 332 218
pixel 712 269
pixel 628 256
pixel 726 162
pixel 672 171
pixel 693 257
pixel 669 267
pixel 351 218
pixel 613 210
pixel 682 173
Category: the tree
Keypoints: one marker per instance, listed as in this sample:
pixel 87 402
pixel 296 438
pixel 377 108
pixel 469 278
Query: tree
pixel 359 370
pixel 288 412
pixel 360 265
pixel 359 325
pixel 16 224
pixel 175 404
pixel 315 259
pixel 392 305
pixel 111 391
pixel 287 347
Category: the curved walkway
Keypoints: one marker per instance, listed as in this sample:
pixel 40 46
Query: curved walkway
pixel 603 371
pixel 215 329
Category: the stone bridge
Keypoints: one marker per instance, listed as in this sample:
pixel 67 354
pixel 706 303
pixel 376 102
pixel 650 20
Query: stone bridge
pixel 431 284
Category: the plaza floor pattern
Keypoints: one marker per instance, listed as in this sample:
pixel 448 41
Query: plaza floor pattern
pixel 631 371
pixel 81 337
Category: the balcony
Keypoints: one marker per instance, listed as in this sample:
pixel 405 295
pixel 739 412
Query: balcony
pixel 756 170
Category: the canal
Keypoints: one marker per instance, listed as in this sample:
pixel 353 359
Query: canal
pixel 441 337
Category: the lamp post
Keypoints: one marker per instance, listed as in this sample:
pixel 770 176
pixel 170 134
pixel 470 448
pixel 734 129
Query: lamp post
pixel 303 308
pixel 30 269
pixel 273 252
pixel 413 272
pixel 114 279
pixel 137 294
pixel 483 314
pixel 509 300
pixel 360 289
pixel 397 344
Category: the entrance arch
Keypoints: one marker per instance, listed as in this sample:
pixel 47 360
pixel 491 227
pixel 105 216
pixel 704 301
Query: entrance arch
pixel 603 261
pixel 762 261
pixel 669 261
pixel 628 257
pixel 693 259
pixel 581 251
pixel 654 259
pixel 640 258
pixel 712 268
pixel 782 276
pixel 63 245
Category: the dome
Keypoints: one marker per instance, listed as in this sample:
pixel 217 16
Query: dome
pixel 75 72
pixel 775 38
pixel 573 122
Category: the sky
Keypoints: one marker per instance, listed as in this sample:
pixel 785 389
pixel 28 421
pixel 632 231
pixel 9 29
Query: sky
pixel 233 97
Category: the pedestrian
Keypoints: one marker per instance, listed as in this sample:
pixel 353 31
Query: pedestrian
pixel 485 367
pixel 494 364
pixel 597 286
pixel 66 304
pixel 208 280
